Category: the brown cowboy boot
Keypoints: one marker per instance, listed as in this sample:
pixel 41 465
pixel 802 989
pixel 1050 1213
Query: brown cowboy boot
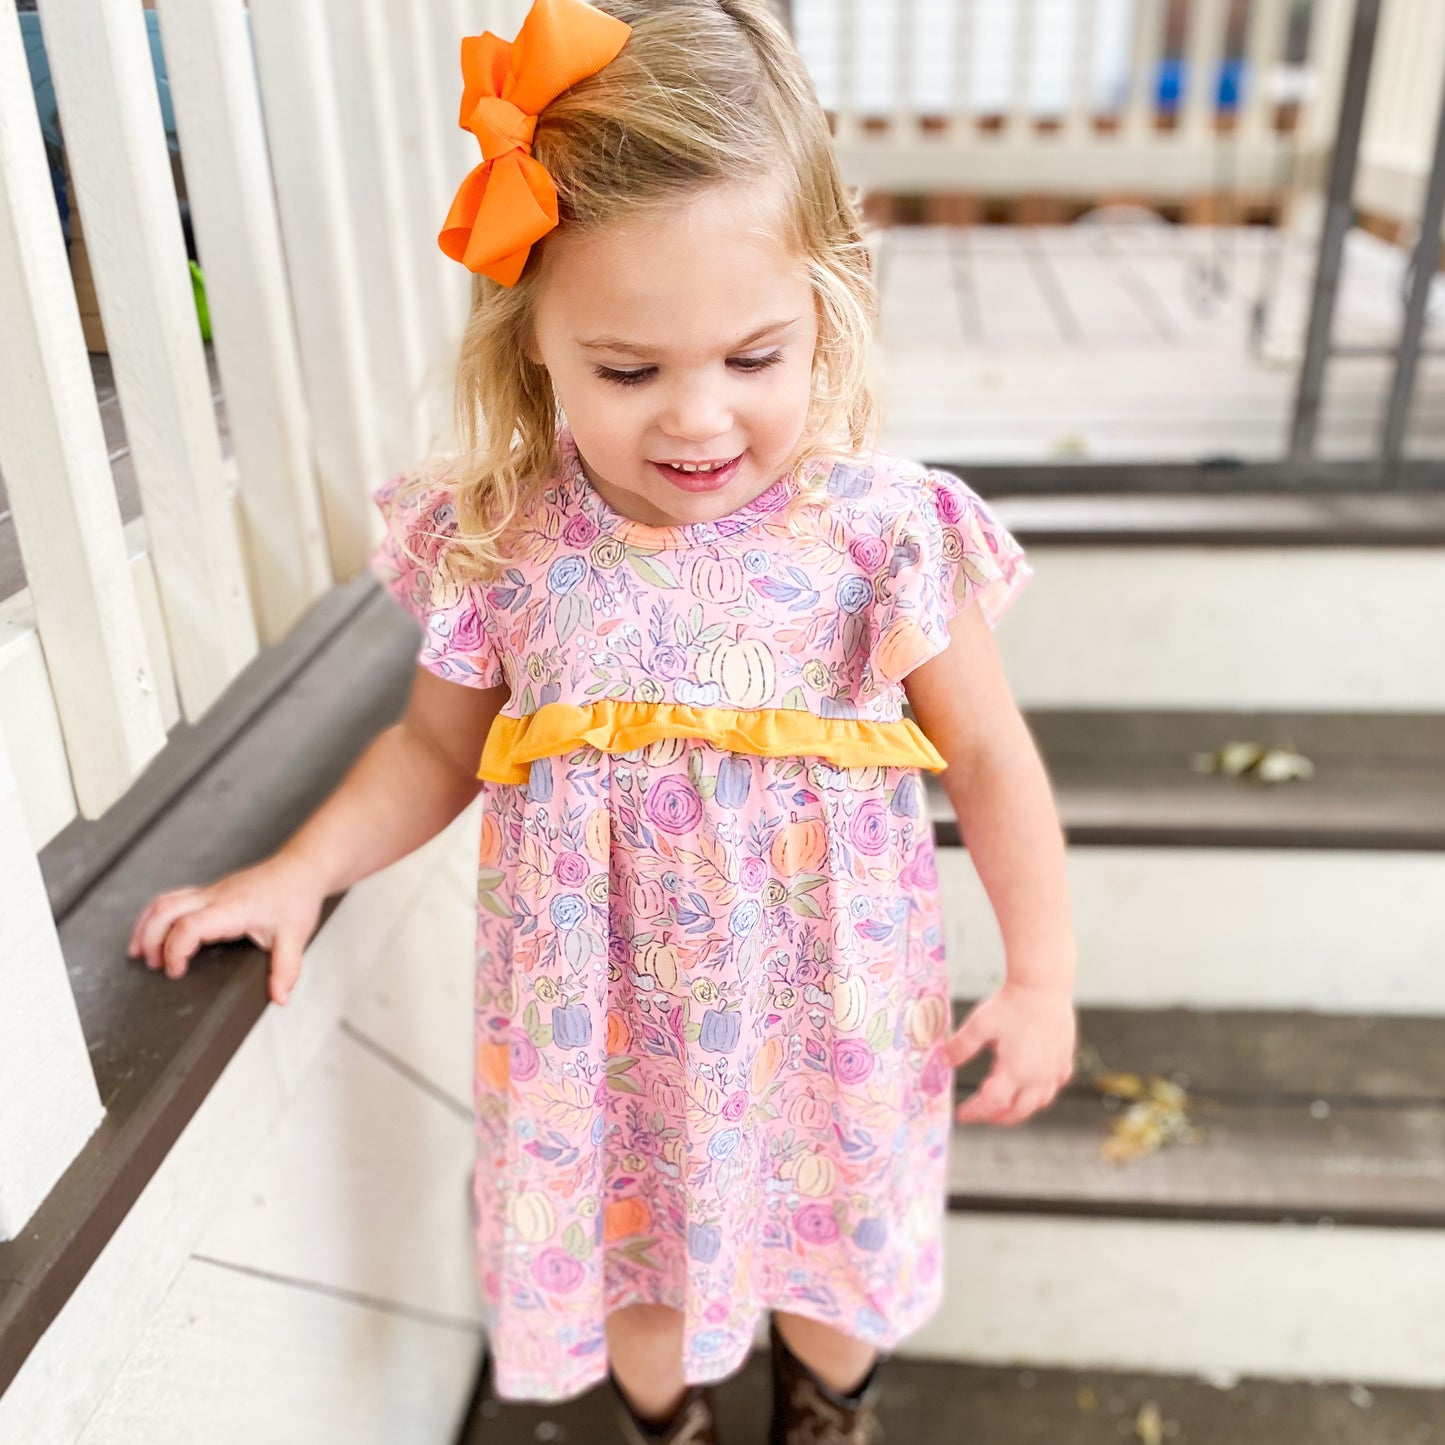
pixel 807 1412
pixel 691 1424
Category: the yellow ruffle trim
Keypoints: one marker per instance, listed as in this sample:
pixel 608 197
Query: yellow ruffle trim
pixel 618 726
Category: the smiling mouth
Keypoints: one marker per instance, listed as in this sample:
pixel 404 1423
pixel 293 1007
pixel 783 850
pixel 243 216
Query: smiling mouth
pixel 701 476
pixel 699 466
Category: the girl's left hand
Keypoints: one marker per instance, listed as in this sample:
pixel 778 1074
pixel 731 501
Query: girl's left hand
pixel 1033 1032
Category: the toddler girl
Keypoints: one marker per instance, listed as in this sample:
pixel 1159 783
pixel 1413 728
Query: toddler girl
pixel 674 603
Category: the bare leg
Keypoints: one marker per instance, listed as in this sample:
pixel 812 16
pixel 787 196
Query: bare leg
pixel 838 1360
pixel 644 1343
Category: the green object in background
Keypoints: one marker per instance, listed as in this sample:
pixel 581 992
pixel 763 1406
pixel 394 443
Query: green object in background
pixel 198 285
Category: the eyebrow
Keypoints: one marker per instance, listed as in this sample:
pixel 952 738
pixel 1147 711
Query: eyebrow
pixel 633 348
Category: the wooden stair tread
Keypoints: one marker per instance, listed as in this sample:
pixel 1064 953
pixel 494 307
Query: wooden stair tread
pixel 935 1400
pixel 1357 1165
pixel 1082 505
pixel 1303 1116
pixel 1270 1054
pixel 1125 777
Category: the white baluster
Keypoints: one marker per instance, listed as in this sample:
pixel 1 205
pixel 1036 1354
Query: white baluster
pixel 57 475
pixel 233 211
pixel 298 94
pixel 100 62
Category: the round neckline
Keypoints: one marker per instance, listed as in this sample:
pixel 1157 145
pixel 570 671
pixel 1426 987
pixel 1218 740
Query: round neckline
pixel 669 538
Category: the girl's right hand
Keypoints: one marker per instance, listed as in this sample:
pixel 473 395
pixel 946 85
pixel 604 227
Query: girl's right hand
pixel 275 903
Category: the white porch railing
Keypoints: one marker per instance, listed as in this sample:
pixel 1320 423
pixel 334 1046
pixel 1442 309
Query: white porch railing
pixel 1063 97
pixel 320 148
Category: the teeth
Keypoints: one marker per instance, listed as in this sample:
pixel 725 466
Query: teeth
pixel 700 467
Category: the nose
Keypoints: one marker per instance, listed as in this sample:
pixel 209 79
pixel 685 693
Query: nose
pixel 695 411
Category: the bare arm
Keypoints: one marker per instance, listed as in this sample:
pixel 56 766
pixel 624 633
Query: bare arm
pixel 1000 791
pixel 408 784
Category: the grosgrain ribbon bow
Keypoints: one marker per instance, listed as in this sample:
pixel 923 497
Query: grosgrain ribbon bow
pixel 509 201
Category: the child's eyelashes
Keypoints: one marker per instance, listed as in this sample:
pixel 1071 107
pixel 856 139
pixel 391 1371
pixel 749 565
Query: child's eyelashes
pixel 745 364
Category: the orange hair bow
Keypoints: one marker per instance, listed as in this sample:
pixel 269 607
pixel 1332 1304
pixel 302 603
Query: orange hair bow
pixel 509 201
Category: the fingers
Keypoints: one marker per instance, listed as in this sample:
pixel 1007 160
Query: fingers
pixel 205 924
pixel 209 920
pixel 1027 1102
pixel 999 1101
pixel 154 924
pixel 992 1097
pixel 286 964
pixel 971 1036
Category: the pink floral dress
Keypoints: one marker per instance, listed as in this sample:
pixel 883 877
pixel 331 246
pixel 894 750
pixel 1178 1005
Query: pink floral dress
pixel 711 995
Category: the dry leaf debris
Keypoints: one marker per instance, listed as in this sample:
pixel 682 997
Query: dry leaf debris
pixel 1157 1115
pixel 1243 759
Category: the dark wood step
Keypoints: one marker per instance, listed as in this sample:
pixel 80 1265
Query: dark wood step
pixel 1075 504
pixel 1307 1117
pixel 939 1402
pixel 1126 777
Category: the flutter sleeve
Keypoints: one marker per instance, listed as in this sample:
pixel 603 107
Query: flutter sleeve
pixel 414 562
pixel 948 549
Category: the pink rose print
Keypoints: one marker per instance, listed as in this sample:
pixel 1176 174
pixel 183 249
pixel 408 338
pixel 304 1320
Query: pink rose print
pixel 557 1270
pixel 673 804
pixel 753 873
pixel 571 869
pixel 468 630
pixel 718 1311
pixel 669 661
pixel 735 1107
pixel 869 828
pixel 869 553
pixel 430 541
pixel 946 500
pixel 852 1060
pixel 816 1224
pixel 581 531
pixel 525 1060
pixel 936 1073
pixel 921 871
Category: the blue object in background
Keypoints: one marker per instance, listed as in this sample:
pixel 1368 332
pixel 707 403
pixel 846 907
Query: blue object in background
pixel 44 88
pixel 1174 78
pixel 39 64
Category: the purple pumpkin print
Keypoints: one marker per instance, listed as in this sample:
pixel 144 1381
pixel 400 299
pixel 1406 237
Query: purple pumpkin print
pixel 571 1026
pixel 703 1242
pixel 734 777
pixel 871 1234
pixel 846 481
pixel 720 1031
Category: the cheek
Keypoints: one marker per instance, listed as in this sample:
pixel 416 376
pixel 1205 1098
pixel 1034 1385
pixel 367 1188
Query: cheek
pixel 788 399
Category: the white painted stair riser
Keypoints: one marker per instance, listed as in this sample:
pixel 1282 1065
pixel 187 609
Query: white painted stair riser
pixel 1287 1302
pixel 1233 628
pixel 1331 930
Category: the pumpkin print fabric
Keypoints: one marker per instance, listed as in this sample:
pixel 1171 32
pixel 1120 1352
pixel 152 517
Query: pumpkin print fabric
pixel 711 996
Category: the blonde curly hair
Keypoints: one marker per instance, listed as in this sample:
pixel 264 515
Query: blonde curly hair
pixel 704 92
